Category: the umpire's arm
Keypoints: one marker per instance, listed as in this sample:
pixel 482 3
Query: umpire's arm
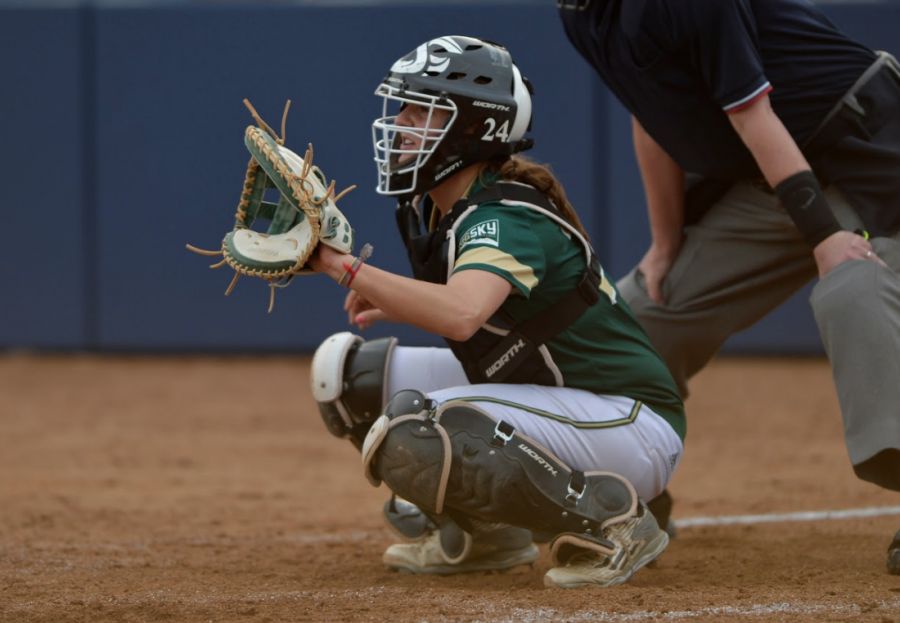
pixel 787 171
pixel 664 186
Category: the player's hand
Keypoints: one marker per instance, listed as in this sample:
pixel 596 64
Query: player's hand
pixel 840 247
pixel 361 312
pixel 655 265
pixel 327 261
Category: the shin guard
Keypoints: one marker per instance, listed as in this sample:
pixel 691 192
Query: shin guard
pixel 459 457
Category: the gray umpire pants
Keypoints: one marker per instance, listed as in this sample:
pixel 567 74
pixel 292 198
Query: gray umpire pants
pixel 742 260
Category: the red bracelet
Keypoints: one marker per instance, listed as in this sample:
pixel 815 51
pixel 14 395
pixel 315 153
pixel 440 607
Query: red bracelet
pixel 350 273
pixel 351 270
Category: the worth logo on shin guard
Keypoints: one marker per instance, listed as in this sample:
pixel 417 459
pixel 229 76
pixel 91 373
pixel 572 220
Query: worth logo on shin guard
pixel 537 457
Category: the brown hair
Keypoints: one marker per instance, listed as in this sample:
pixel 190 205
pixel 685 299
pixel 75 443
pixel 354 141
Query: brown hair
pixel 526 171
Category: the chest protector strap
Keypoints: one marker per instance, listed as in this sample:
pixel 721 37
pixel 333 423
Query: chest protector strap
pixel 526 337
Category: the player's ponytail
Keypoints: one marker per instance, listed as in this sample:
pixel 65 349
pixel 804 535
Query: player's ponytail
pixel 521 169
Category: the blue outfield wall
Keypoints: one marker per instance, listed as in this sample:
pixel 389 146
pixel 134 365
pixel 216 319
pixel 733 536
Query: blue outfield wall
pixel 123 141
pixel 46 296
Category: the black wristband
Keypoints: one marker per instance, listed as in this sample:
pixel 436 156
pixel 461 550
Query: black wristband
pixel 802 197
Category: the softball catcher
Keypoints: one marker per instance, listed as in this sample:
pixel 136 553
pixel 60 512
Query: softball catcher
pixel 548 412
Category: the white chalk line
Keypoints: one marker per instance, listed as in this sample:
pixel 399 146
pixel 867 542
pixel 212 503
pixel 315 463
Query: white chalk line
pixel 549 615
pixel 480 610
pixel 850 513
pixel 680 523
pixel 688 522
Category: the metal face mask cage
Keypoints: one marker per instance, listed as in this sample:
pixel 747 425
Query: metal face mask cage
pixel 398 168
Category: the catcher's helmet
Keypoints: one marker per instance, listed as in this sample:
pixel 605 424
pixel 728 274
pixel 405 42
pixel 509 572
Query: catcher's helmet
pixel 489 106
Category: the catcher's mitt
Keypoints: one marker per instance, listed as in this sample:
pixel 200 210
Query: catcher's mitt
pixel 304 216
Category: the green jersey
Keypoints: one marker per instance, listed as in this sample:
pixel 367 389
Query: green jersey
pixel 605 351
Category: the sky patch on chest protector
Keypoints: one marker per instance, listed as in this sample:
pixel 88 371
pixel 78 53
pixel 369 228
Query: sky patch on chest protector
pixel 487 232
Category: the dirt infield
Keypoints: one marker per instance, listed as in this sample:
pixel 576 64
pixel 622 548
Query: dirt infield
pixel 196 489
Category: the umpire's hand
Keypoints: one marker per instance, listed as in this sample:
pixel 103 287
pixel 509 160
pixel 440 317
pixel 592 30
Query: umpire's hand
pixel 655 265
pixel 840 247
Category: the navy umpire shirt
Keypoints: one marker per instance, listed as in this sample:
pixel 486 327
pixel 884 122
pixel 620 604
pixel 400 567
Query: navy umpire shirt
pixel 680 66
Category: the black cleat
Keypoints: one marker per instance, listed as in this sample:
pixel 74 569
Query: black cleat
pixel 893 558
pixel 661 508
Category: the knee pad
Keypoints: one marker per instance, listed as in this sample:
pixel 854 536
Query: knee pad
pixel 349 381
pixel 457 457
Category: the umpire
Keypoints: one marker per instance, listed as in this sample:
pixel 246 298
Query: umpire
pixel 769 146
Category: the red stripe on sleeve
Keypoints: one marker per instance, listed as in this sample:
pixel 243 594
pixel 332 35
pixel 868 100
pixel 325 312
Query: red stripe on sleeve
pixel 750 102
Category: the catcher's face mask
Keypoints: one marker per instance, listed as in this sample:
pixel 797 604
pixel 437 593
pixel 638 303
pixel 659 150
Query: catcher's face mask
pixel 406 136
pixel 472 80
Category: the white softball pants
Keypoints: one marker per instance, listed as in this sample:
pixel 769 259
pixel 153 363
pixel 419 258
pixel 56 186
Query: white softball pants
pixel 587 431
